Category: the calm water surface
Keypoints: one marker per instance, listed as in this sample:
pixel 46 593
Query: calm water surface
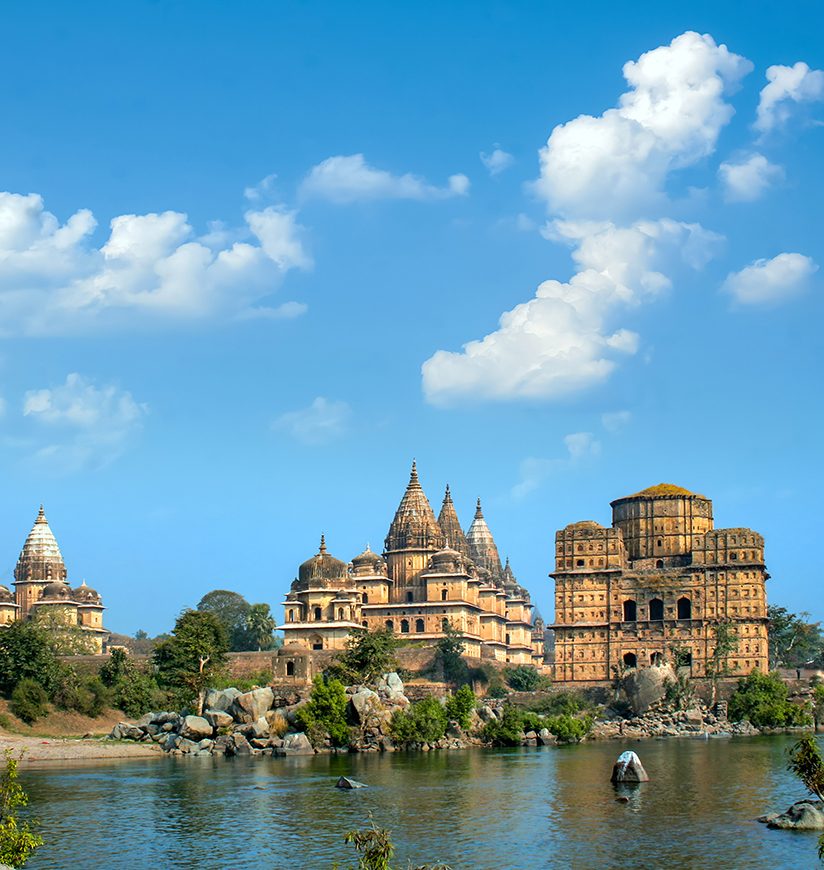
pixel 520 809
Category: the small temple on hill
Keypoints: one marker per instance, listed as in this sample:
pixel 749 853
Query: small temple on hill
pixel 431 576
pixel 41 589
pixel 655 587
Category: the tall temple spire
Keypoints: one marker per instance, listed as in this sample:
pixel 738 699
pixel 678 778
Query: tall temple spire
pixel 482 548
pixel 40 559
pixel 451 526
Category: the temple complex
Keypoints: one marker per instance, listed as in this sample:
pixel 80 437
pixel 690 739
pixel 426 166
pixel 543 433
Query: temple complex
pixel 42 589
pixel 431 575
pixel 655 586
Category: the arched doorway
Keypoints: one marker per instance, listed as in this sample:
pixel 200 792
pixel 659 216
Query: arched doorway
pixel 684 608
pixel 656 610
pixel 630 660
pixel 630 611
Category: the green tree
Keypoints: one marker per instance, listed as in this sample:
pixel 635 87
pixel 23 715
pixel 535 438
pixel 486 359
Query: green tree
pixel 506 731
pixel 141 635
pixel 194 653
pixel 66 638
pixel 259 626
pixel 367 657
pixel 423 722
pixel 449 654
pixel 232 609
pixel 460 706
pixel 29 701
pixel 761 699
pixel 26 653
pixel 325 713
pixel 133 690
pixel 524 678
pixel 794 641
pixel 806 763
pixel 17 840
pixel 725 643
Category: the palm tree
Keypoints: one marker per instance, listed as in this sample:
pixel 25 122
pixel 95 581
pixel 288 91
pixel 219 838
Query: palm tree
pixel 260 624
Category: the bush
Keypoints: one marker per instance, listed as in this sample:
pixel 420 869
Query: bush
pixel 17 841
pixel 569 729
pixel 460 705
pixel 556 704
pixel 26 653
pixel 424 722
pixel 368 655
pixel 325 713
pixel 29 701
pixel 497 689
pixel 506 731
pixel 761 699
pixel 525 678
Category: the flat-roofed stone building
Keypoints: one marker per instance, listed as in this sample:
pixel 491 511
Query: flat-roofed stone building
pixel 655 586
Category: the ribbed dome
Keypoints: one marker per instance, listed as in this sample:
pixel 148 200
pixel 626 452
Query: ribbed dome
pixel 414 526
pixel 482 547
pixel 56 592
pixel 40 559
pixel 451 526
pixel 322 570
pixel 86 595
pixel 447 561
pixel 6 595
pixel 368 564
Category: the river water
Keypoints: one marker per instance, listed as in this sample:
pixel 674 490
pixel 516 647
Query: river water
pixel 519 809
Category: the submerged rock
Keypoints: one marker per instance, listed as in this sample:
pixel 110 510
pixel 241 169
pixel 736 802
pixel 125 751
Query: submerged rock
pixel 806 815
pixel 628 768
pixel 345 782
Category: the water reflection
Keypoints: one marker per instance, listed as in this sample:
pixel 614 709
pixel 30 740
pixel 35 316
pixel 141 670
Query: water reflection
pixel 517 809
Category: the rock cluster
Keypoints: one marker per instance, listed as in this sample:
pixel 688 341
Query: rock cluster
pixel 696 722
pixel 806 815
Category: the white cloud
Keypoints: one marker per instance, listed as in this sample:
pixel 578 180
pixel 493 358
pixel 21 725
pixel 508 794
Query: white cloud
pixel 617 163
pixel 787 85
pixel 92 425
pixel 771 281
pixel 564 339
pixel 53 279
pixel 615 421
pixel 263 189
pixel 345 179
pixel 745 179
pixel 323 421
pixel 497 160
pixel 533 471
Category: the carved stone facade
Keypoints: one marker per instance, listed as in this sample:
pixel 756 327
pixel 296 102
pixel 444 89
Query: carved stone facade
pixel 430 575
pixel 42 589
pixel 656 586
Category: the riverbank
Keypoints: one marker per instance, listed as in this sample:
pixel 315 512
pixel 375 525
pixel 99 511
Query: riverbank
pixel 38 749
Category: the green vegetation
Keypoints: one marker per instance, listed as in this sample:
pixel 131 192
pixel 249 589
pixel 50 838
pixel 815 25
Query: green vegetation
pixel 510 728
pixel 26 653
pixel 806 763
pixel 29 701
pixel 248 626
pixel 506 731
pixel 761 699
pixel 65 638
pixel 423 722
pixel 87 695
pixel 449 655
pixel 260 626
pixel 726 643
pixel 324 714
pixel 17 840
pixel 188 661
pixel 794 641
pixel 368 655
pixel 525 678
pixel 459 706
pixel 132 690
pixel 375 849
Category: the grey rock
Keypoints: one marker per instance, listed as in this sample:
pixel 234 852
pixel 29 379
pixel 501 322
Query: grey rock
pixel 345 782
pixel 259 728
pixel 545 737
pixel 220 699
pixel 218 718
pixel 296 744
pixel 241 745
pixel 647 686
pixel 363 704
pixel 195 728
pixel 806 815
pixel 187 746
pixel 252 705
pixel 628 768
pixel 486 713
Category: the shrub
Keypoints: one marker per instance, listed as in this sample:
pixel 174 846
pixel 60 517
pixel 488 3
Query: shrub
pixel 449 654
pixel 325 713
pixel 29 701
pixel 460 705
pixel 524 678
pixel 17 841
pixel 761 699
pixel 497 689
pixel 136 694
pixel 569 729
pixel 506 731
pixel 26 653
pixel 424 722
pixel 557 703
pixel 368 655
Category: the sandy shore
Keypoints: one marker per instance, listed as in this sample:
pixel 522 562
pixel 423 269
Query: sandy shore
pixel 43 749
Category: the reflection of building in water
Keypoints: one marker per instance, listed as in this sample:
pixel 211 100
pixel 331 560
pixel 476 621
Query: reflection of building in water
pixel 657 582
pixel 42 590
pixel 431 576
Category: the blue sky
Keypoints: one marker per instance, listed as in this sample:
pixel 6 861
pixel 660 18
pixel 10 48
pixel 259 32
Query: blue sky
pixel 253 259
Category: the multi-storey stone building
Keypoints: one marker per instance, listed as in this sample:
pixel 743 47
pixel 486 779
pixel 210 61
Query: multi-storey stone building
pixel 41 589
pixel 655 586
pixel 430 575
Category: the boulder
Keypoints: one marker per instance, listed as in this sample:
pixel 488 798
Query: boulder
pixel 146 719
pixel 220 699
pixel 694 717
pixel 249 706
pixel 240 745
pixel 647 686
pixel 195 728
pixel 218 718
pixel 546 737
pixel 628 768
pixel 259 729
pixel 390 687
pixel 187 746
pixel 486 713
pixel 296 744
pixel 806 815
pixel 345 782
pixel 363 704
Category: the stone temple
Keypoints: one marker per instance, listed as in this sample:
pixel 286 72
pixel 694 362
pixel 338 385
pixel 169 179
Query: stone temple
pixel 42 589
pixel 655 586
pixel 431 575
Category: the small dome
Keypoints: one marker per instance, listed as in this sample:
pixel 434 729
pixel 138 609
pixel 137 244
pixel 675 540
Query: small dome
pixel 368 563
pixel 85 594
pixel 6 595
pixel 447 561
pixel 56 592
pixel 322 569
pixel 663 489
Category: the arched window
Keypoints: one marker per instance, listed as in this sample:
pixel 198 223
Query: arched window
pixel 656 658
pixel 291 616
pixel 318 614
pixel 443 594
pixel 365 624
pixel 419 625
pixel 290 669
pixel 660 543
pixel 656 610
pixel 630 660
pixel 445 624
pixel 507 640
pixel 390 626
pixel 630 610
pixel 659 563
pixel 579 563
pixel 684 608
pixel 410 595
pixel 340 613
pixel 365 597
pixel 404 626
pixel 317 642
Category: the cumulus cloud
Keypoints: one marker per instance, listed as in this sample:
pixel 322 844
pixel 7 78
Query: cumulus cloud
pixel 669 118
pixel 324 420
pixel 533 471
pixel 346 179
pixel 84 425
pixel 497 160
pixel 53 279
pixel 748 177
pixel 787 85
pixel 615 421
pixel 564 339
pixel 772 281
